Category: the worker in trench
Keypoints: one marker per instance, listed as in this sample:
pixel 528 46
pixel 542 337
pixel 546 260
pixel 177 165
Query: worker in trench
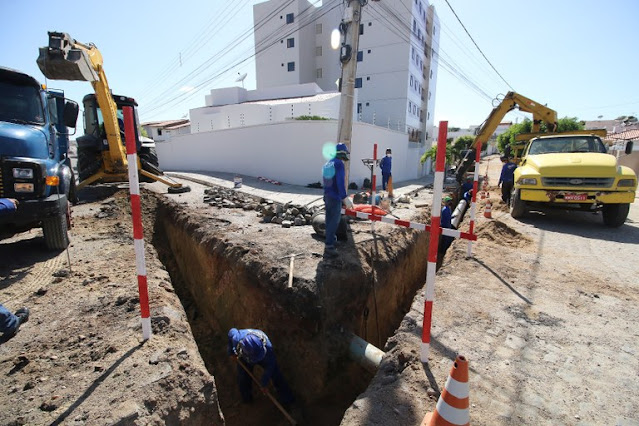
pixel 10 323
pixel 334 195
pixel 252 347
pixel 445 222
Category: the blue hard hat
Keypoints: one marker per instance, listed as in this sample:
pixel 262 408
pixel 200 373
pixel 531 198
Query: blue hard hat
pixel 253 348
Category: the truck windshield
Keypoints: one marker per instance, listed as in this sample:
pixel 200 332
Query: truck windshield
pixel 20 103
pixel 567 144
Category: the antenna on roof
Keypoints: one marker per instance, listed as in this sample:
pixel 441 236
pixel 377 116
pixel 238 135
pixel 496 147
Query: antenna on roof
pixel 241 78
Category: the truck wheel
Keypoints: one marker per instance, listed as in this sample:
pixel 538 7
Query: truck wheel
pixel 517 206
pixel 89 162
pixel 614 215
pixel 55 229
pixel 150 163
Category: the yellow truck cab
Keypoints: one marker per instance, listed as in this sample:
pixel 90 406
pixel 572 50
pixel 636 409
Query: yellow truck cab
pixel 573 171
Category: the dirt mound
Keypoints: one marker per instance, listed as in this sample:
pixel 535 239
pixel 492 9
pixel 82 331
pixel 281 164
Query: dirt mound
pixel 503 234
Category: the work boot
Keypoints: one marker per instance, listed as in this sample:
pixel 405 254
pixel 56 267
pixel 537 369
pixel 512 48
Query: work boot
pixel 330 252
pixel 23 316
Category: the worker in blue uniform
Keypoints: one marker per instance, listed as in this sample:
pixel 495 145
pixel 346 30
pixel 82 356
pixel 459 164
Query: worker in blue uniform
pixel 445 222
pixel 10 323
pixel 507 179
pixel 253 347
pixel 386 165
pixel 334 195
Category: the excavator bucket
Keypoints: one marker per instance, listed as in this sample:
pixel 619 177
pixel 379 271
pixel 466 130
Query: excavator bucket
pixel 61 61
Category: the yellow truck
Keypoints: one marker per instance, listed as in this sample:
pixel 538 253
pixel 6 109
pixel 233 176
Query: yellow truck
pixel 573 171
pixel 569 170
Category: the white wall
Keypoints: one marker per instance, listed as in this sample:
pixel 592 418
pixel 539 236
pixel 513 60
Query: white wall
pixel 290 151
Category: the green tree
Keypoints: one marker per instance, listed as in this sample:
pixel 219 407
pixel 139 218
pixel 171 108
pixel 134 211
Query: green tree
pixel 566 124
pixel 432 153
pixel 143 132
pixel 461 143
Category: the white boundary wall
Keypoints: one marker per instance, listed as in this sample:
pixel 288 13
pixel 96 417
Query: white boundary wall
pixel 289 152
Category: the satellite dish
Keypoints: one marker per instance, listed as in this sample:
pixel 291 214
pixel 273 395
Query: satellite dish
pixel 241 78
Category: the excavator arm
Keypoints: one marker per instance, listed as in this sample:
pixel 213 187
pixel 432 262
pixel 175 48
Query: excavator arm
pixel 68 59
pixel 512 100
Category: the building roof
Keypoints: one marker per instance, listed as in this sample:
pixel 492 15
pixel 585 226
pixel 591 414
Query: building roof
pixel 315 98
pixel 627 135
pixel 178 126
pixel 166 124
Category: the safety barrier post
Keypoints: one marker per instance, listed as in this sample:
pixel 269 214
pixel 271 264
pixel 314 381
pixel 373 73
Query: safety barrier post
pixel 373 183
pixel 138 233
pixel 473 203
pixel 435 231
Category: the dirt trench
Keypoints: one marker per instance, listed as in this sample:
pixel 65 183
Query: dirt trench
pixel 229 274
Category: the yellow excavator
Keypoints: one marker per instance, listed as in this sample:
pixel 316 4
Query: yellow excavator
pixel 101 150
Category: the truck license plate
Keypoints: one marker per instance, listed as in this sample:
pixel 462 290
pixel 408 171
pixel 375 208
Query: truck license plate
pixel 575 197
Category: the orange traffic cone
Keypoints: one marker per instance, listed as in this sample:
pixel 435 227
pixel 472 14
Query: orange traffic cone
pixel 452 406
pixel 389 186
pixel 488 210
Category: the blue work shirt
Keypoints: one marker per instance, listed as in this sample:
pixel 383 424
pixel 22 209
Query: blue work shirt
pixel 268 363
pixel 466 186
pixel 446 218
pixel 508 173
pixel 333 176
pixel 385 165
pixel 6 206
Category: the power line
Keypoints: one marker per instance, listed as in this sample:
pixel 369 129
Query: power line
pixel 477 46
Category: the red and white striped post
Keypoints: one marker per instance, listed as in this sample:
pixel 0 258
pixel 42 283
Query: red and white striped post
pixel 138 233
pixel 473 203
pixel 435 230
pixel 374 177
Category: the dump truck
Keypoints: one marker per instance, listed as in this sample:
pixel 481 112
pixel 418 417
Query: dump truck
pixel 35 167
pixel 568 170
pixel 101 151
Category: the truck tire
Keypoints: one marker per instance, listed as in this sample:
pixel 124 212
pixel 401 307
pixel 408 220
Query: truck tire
pixel 89 162
pixel 55 229
pixel 517 206
pixel 150 163
pixel 614 215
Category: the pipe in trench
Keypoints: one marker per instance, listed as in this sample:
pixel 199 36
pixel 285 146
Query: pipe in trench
pixel 367 355
pixel 458 214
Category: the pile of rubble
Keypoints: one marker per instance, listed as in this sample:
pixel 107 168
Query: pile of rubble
pixel 286 215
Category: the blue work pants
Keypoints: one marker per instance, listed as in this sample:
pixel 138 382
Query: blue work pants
pixel 333 209
pixel 8 321
pixel 284 393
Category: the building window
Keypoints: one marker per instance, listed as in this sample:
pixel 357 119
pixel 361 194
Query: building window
pixel 429 94
pixel 414 109
pixel 412 52
pixel 428 116
pixel 414 25
pixel 159 132
pixel 361 29
pixel 290 42
pixel 318 50
pixel 318 73
pixel 369 51
pixel 360 56
pixel 358 83
pixel 359 108
pixel 431 73
pixel 411 81
pixel 410 108
pixel 291 66
pixel 290 18
pixel 318 28
pixel 368 78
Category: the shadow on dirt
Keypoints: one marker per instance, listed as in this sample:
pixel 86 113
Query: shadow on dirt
pixel 14 259
pixel 582 224
pixel 504 282
pixel 95 385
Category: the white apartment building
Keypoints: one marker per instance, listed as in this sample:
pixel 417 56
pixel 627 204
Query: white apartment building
pixel 396 74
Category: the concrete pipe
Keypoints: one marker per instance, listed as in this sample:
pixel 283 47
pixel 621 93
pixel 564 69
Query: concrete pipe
pixel 458 214
pixel 364 353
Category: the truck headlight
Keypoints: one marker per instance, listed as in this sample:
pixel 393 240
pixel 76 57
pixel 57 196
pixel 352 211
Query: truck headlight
pixel 23 173
pixel 23 187
pixel 626 183
pixel 527 181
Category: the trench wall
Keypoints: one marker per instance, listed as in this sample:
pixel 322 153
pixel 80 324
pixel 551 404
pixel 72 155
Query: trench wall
pixel 232 288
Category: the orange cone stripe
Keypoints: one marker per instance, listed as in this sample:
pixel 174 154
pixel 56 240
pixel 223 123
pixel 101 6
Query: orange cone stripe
pixel 460 403
pixel 437 420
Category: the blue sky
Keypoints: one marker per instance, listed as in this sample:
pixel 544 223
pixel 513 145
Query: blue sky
pixel 578 57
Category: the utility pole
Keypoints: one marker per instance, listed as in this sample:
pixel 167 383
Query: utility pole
pixel 349 29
